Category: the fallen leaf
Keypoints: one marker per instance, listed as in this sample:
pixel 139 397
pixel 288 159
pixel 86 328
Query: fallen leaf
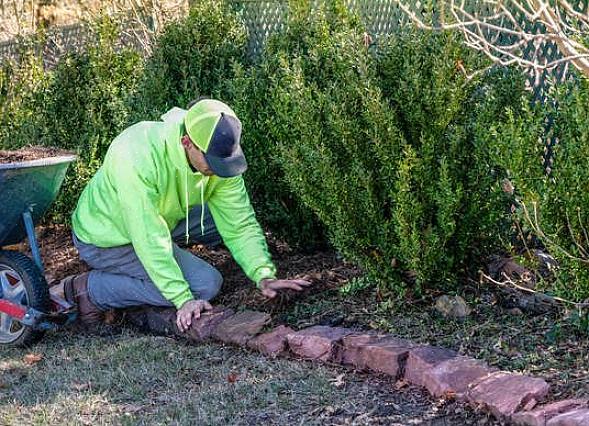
pixel 450 395
pixel 531 404
pixel 401 384
pixel 329 410
pixel 80 386
pixel 129 409
pixel 338 382
pixel 232 377
pixel 31 359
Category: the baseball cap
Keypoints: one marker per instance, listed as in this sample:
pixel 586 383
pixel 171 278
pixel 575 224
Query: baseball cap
pixel 215 129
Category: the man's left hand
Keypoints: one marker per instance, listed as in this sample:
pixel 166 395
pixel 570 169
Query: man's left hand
pixel 270 288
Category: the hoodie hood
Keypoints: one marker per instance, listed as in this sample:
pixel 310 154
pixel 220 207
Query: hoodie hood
pixel 174 130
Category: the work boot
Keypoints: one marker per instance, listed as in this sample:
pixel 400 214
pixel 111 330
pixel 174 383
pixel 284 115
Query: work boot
pixel 76 292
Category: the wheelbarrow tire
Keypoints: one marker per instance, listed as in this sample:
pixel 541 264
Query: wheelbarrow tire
pixel 36 289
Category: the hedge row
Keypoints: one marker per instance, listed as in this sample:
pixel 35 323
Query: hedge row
pixel 395 153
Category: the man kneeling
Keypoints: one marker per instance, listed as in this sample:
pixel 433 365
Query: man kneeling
pixel 156 175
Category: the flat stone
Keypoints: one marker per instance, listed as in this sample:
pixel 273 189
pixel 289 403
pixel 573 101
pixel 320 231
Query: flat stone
pixel 541 415
pixel 202 328
pixel 452 307
pixel 503 394
pixel 160 321
pixel 318 342
pixel 272 343
pixel 241 327
pixel 452 378
pixel 578 417
pixel 422 359
pixel 381 353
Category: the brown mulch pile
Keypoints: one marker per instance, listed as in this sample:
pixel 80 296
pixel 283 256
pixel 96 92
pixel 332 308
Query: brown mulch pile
pixel 58 253
pixel 324 269
pixel 30 153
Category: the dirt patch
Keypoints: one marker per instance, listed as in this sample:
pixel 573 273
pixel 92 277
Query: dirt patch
pixel 30 153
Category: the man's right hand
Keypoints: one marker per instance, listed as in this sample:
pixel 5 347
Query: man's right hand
pixel 188 311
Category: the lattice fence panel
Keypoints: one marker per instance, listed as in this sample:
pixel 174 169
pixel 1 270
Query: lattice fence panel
pixel 71 38
pixel 264 18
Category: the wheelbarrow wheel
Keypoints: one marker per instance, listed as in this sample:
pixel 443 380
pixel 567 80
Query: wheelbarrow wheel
pixel 21 282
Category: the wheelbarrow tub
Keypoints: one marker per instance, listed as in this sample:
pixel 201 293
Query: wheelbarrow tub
pixel 28 186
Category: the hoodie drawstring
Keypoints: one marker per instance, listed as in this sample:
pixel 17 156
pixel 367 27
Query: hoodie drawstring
pixel 202 207
pixel 186 204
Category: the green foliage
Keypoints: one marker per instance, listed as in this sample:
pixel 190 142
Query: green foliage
pixel 400 176
pixel 86 106
pixel 264 101
pixel 20 81
pixel 80 106
pixel 555 206
pixel 193 57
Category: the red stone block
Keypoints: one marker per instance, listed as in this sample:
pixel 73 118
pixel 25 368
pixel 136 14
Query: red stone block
pixel 423 359
pixel 541 415
pixel 381 353
pixel 318 342
pixel 202 328
pixel 272 343
pixel 454 376
pixel 578 417
pixel 241 327
pixel 505 393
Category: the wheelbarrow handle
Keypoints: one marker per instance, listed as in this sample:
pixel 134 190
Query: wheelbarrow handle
pixel 12 309
pixel 34 318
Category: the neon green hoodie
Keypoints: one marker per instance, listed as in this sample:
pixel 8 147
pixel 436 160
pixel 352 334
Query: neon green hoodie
pixel 145 187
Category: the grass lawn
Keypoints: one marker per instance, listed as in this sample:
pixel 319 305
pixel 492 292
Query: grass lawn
pixel 133 379
pixel 136 379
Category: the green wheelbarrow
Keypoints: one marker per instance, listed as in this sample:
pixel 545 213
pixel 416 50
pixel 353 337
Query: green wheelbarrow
pixel 27 310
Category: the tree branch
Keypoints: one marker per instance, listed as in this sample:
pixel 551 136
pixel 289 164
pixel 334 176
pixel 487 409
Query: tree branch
pixel 494 20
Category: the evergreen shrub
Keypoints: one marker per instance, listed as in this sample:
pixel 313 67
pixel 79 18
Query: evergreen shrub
pixel 387 152
pixel 193 57
pixel 554 206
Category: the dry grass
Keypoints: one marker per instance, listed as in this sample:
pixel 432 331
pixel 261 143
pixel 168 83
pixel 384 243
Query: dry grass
pixel 131 379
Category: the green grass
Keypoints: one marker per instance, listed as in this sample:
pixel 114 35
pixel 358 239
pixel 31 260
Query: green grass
pixel 133 379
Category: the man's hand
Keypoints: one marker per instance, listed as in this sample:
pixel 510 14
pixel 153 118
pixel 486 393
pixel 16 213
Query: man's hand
pixel 189 310
pixel 269 288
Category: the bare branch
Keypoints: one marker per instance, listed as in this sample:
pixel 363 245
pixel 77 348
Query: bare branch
pixel 497 30
pixel 509 283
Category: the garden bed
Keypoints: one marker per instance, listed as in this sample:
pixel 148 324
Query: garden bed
pixel 547 346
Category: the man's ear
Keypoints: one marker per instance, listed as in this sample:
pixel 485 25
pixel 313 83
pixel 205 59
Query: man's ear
pixel 186 142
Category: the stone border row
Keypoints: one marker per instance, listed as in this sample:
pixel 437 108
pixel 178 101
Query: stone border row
pixel 510 397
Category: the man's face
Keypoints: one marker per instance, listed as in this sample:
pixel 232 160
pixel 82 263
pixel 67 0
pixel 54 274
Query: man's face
pixel 196 157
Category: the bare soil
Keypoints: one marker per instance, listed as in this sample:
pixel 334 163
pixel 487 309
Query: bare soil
pixel 30 153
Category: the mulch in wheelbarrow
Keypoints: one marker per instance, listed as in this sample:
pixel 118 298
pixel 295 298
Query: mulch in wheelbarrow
pixel 29 153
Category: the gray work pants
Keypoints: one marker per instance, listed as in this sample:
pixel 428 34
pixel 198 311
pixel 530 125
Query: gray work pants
pixel 119 280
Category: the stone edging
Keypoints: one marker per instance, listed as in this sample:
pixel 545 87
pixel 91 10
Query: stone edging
pixel 510 397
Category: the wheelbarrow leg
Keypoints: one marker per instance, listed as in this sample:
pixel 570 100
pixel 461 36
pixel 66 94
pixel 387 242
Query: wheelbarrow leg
pixel 30 228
